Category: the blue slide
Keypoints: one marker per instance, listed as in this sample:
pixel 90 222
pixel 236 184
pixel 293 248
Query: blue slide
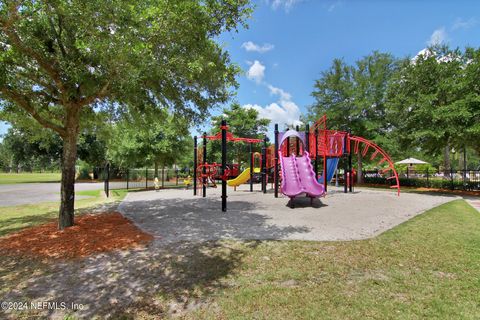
pixel 332 164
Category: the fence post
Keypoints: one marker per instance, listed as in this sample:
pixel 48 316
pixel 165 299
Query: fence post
pixel 163 176
pixel 451 178
pixel 146 178
pixel 428 182
pixel 106 183
pixel 128 170
pixel 464 168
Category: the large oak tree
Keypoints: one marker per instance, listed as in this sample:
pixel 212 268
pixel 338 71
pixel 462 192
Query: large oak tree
pixel 434 101
pixel 63 60
pixel 353 97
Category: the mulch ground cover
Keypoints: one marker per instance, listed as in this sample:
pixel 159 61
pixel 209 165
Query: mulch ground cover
pixel 421 189
pixel 91 234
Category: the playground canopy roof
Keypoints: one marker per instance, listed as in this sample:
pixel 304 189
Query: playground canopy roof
pixel 411 161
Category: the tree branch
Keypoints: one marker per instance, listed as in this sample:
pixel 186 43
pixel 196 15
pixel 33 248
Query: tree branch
pixel 45 64
pixel 102 93
pixel 25 104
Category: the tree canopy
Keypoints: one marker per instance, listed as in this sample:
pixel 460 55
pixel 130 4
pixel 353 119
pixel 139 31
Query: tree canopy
pixel 63 61
pixel 434 101
pixel 242 122
pixel 137 142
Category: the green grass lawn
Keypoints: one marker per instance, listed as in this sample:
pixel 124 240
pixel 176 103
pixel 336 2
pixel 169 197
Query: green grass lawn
pixel 18 217
pixel 25 177
pixel 425 268
pixel 428 267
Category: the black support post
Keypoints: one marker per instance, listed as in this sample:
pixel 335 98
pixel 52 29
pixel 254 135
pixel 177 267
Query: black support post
pixel 350 170
pixel 127 178
pixel 297 146
pixel 316 154
pixel 224 165
pixel 264 165
pixel 345 164
pixel 325 181
pixel 204 162
pixel 276 161
pixel 195 160
pixel 307 138
pixel 251 166
pixel 288 144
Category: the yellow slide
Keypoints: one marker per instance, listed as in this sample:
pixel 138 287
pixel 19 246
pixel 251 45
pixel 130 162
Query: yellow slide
pixel 242 178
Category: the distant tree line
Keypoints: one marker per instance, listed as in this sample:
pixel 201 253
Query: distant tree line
pixel 427 106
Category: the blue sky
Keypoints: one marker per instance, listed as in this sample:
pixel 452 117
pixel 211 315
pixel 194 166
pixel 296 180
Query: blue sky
pixel 289 42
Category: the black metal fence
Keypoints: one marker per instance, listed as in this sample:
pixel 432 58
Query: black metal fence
pixel 143 178
pixel 447 179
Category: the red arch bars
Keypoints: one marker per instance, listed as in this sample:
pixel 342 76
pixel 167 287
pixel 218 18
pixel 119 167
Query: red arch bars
pixel 377 150
pixel 230 137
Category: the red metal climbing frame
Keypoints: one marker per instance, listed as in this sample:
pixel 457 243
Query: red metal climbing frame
pixel 365 145
pixel 330 143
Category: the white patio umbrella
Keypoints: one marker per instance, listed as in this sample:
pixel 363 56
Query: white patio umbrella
pixel 411 161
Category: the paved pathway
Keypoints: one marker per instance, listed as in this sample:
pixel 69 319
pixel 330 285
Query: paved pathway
pixel 30 193
pixel 474 202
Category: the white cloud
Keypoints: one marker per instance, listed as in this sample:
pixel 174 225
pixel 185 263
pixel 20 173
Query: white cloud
pixel 334 5
pixel 425 53
pixel 464 24
pixel 280 92
pixel 250 46
pixel 438 36
pixel 284 111
pixel 428 53
pixel 287 5
pixel 256 72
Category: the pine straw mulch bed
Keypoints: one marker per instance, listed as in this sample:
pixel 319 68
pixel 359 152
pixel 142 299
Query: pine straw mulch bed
pixel 422 189
pixel 91 234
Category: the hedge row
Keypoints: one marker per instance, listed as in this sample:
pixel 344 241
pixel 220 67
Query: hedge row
pixel 424 183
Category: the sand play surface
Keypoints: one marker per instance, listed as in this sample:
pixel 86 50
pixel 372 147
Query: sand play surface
pixel 176 215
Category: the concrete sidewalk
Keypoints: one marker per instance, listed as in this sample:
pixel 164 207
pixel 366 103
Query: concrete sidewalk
pixel 474 202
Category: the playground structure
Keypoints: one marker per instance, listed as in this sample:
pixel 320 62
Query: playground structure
pixel 298 176
pixel 296 173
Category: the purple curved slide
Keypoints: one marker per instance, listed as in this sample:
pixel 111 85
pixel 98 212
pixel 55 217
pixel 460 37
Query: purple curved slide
pixel 306 173
pixel 291 185
pixel 298 177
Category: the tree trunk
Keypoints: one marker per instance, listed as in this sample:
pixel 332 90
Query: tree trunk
pixel 446 159
pixel 359 168
pixel 67 206
pixel 156 169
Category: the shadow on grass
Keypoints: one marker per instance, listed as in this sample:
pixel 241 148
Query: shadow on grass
pixel 17 223
pixel 180 270
pixel 176 277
